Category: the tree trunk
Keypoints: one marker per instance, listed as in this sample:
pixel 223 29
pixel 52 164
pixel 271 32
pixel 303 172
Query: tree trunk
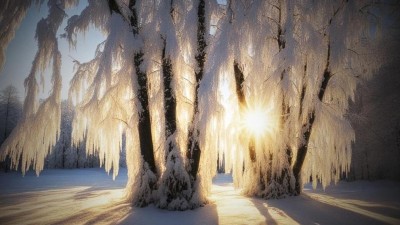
pixel 307 128
pixel 239 80
pixel 193 143
pixel 169 99
pixel 145 137
pixel 175 188
pixel 146 182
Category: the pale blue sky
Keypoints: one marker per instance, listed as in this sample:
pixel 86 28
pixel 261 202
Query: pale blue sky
pixel 22 49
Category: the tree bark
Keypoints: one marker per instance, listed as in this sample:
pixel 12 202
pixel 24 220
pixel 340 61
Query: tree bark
pixel 147 179
pixel 307 128
pixel 174 185
pixel 169 98
pixel 193 143
pixel 145 137
pixel 239 80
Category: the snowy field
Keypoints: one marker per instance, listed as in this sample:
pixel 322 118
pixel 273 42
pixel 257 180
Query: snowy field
pixel 90 196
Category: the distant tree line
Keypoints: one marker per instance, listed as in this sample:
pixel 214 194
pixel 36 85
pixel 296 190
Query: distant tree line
pixel 10 112
pixel 65 154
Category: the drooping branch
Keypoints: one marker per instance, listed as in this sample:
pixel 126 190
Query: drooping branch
pixel 12 13
pixel 96 13
pixel 31 148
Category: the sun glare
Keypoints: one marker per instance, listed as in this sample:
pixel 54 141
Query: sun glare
pixel 257 121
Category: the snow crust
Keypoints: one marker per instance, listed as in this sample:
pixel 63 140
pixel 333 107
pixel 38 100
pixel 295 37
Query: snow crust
pixel 80 196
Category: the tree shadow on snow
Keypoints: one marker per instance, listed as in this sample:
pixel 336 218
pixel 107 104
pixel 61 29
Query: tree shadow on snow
pixel 94 191
pixel 311 208
pixel 109 214
pixel 264 210
pixel 155 216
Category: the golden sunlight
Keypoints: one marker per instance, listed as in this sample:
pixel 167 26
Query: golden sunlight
pixel 258 121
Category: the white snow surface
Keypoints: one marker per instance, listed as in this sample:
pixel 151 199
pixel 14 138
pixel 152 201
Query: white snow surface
pixel 90 196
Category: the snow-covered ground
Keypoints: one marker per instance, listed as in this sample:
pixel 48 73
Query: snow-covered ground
pixel 90 196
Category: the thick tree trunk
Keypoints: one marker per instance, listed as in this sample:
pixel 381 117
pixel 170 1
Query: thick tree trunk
pixel 169 99
pixel 239 80
pixel 145 137
pixel 148 170
pixel 145 132
pixel 280 185
pixel 193 143
pixel 147 180
pixel 307 128
pixel 175 188
pixel 177 185
pixel 273 185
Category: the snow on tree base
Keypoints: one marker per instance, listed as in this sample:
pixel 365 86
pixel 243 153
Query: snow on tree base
pixel 276 190
pixel 143 189
pixel 177 191
pixel 265 185
pixel 280 186
pixel 175 188
pixel 199 197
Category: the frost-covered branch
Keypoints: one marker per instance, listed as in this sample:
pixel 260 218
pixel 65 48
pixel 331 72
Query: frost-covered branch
pixel 12 13
pixel 96 13
pixel 24 146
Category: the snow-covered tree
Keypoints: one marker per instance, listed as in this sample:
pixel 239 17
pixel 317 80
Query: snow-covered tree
pixel 298 64
pixel 263 85
pixel 10 109
pixel 10 112
pixel 150 53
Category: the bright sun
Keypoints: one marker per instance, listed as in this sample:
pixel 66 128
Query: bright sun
pixel 258 121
